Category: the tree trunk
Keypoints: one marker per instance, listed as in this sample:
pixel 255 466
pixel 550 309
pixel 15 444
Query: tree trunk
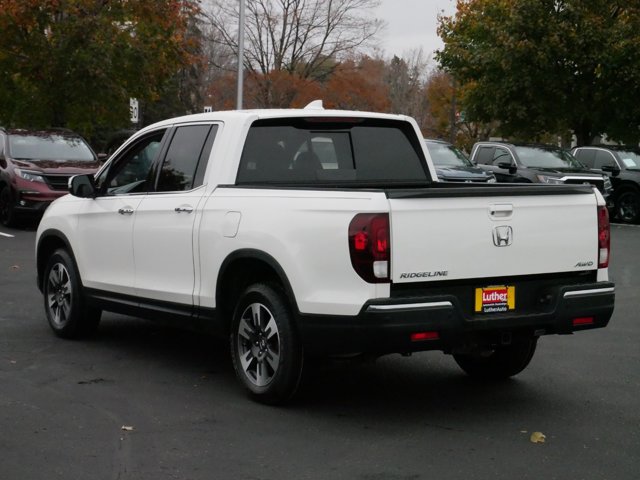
pixel 583 134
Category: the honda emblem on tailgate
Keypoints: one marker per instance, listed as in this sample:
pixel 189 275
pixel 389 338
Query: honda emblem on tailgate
pixel 502 236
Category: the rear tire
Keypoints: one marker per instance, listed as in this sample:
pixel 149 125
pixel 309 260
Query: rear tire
pixel 8 216
pixel 628 206
pixel 65 307
pixel 265 346
pixel 503 362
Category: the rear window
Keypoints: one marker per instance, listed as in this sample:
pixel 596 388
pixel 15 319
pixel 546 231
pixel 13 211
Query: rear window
pixel 302 151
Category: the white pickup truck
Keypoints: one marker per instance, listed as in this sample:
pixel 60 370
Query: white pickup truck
pixel 313 232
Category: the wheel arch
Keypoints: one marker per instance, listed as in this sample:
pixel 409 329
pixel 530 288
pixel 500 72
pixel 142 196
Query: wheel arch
pixel 242 268
pixel 627 185
pixel 49 241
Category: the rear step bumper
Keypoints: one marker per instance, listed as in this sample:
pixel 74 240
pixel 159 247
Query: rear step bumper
pixel 438 323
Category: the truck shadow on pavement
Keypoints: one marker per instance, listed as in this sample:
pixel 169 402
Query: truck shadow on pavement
pixel 391 389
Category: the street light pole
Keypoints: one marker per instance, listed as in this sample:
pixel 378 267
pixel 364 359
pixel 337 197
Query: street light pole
pixel 240 55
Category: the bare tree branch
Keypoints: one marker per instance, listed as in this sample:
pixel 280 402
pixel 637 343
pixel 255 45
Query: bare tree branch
pixel 296 35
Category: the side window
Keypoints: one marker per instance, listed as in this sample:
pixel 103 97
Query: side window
pixel 204 157
pixel 132 171
pixel 485 155
pixel 184 164
pixel 502 155
pixel 604 158
pixel 586 156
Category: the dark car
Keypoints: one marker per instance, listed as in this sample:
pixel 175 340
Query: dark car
pixel 622 165
pixel 35 167
pixel 534 163
pixel 453 166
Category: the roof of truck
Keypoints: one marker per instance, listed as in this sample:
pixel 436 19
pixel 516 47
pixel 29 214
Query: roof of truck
pixel 314 109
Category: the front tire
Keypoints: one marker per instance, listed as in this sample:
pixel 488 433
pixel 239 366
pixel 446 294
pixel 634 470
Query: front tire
pixel 8 215
pixel 65 307
pixel 503 362
pixel 628 206
pixel 265 347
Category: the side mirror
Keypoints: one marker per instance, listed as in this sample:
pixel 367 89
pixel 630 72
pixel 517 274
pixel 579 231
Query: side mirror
pixel 612 169
pixel 82 186
pixel 508 166
pixel 102 157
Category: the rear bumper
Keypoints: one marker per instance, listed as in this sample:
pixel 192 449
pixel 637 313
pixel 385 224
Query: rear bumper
pixel 386 326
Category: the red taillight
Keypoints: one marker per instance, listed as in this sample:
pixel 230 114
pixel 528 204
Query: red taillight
pixel 360 241
pixel 604 237
pixel 369 246
pixel 582 321
pixel 421 336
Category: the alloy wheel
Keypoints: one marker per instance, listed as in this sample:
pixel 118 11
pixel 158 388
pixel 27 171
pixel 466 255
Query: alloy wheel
pixel 59 294
pixel 629 206
pixel 258 344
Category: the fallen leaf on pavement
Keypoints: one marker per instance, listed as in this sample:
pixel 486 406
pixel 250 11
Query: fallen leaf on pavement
pixel 127 428
pixel 538 437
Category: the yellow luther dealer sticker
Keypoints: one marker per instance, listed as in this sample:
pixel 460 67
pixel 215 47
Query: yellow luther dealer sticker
pixel 495 299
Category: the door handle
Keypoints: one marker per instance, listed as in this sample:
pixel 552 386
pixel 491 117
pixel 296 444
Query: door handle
pixel 501 211
pixel 125 211
pixel 184 209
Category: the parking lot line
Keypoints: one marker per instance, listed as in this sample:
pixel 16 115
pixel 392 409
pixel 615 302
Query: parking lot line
pixel 2 234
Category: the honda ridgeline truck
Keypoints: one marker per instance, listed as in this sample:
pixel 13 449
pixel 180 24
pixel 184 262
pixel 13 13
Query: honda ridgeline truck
pixel 312 232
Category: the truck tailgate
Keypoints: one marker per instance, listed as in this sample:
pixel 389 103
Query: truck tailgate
pixel 460 233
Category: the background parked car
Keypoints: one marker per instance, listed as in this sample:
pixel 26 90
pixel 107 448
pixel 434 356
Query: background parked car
pixel 622 165
pixel 452 165
pixel 533 163
pixel 35 167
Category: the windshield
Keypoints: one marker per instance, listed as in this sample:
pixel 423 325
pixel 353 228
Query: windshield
pixel 47 146
pixel 630 159
pixel 446 155
pixel 539 157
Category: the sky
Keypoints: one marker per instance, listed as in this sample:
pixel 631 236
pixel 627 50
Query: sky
pixel 412 24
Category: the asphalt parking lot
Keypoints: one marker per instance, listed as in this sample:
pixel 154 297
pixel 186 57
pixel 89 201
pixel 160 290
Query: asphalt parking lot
pixel 141 401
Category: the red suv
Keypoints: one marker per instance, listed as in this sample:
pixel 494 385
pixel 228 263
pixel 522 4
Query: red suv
pixel 35 167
